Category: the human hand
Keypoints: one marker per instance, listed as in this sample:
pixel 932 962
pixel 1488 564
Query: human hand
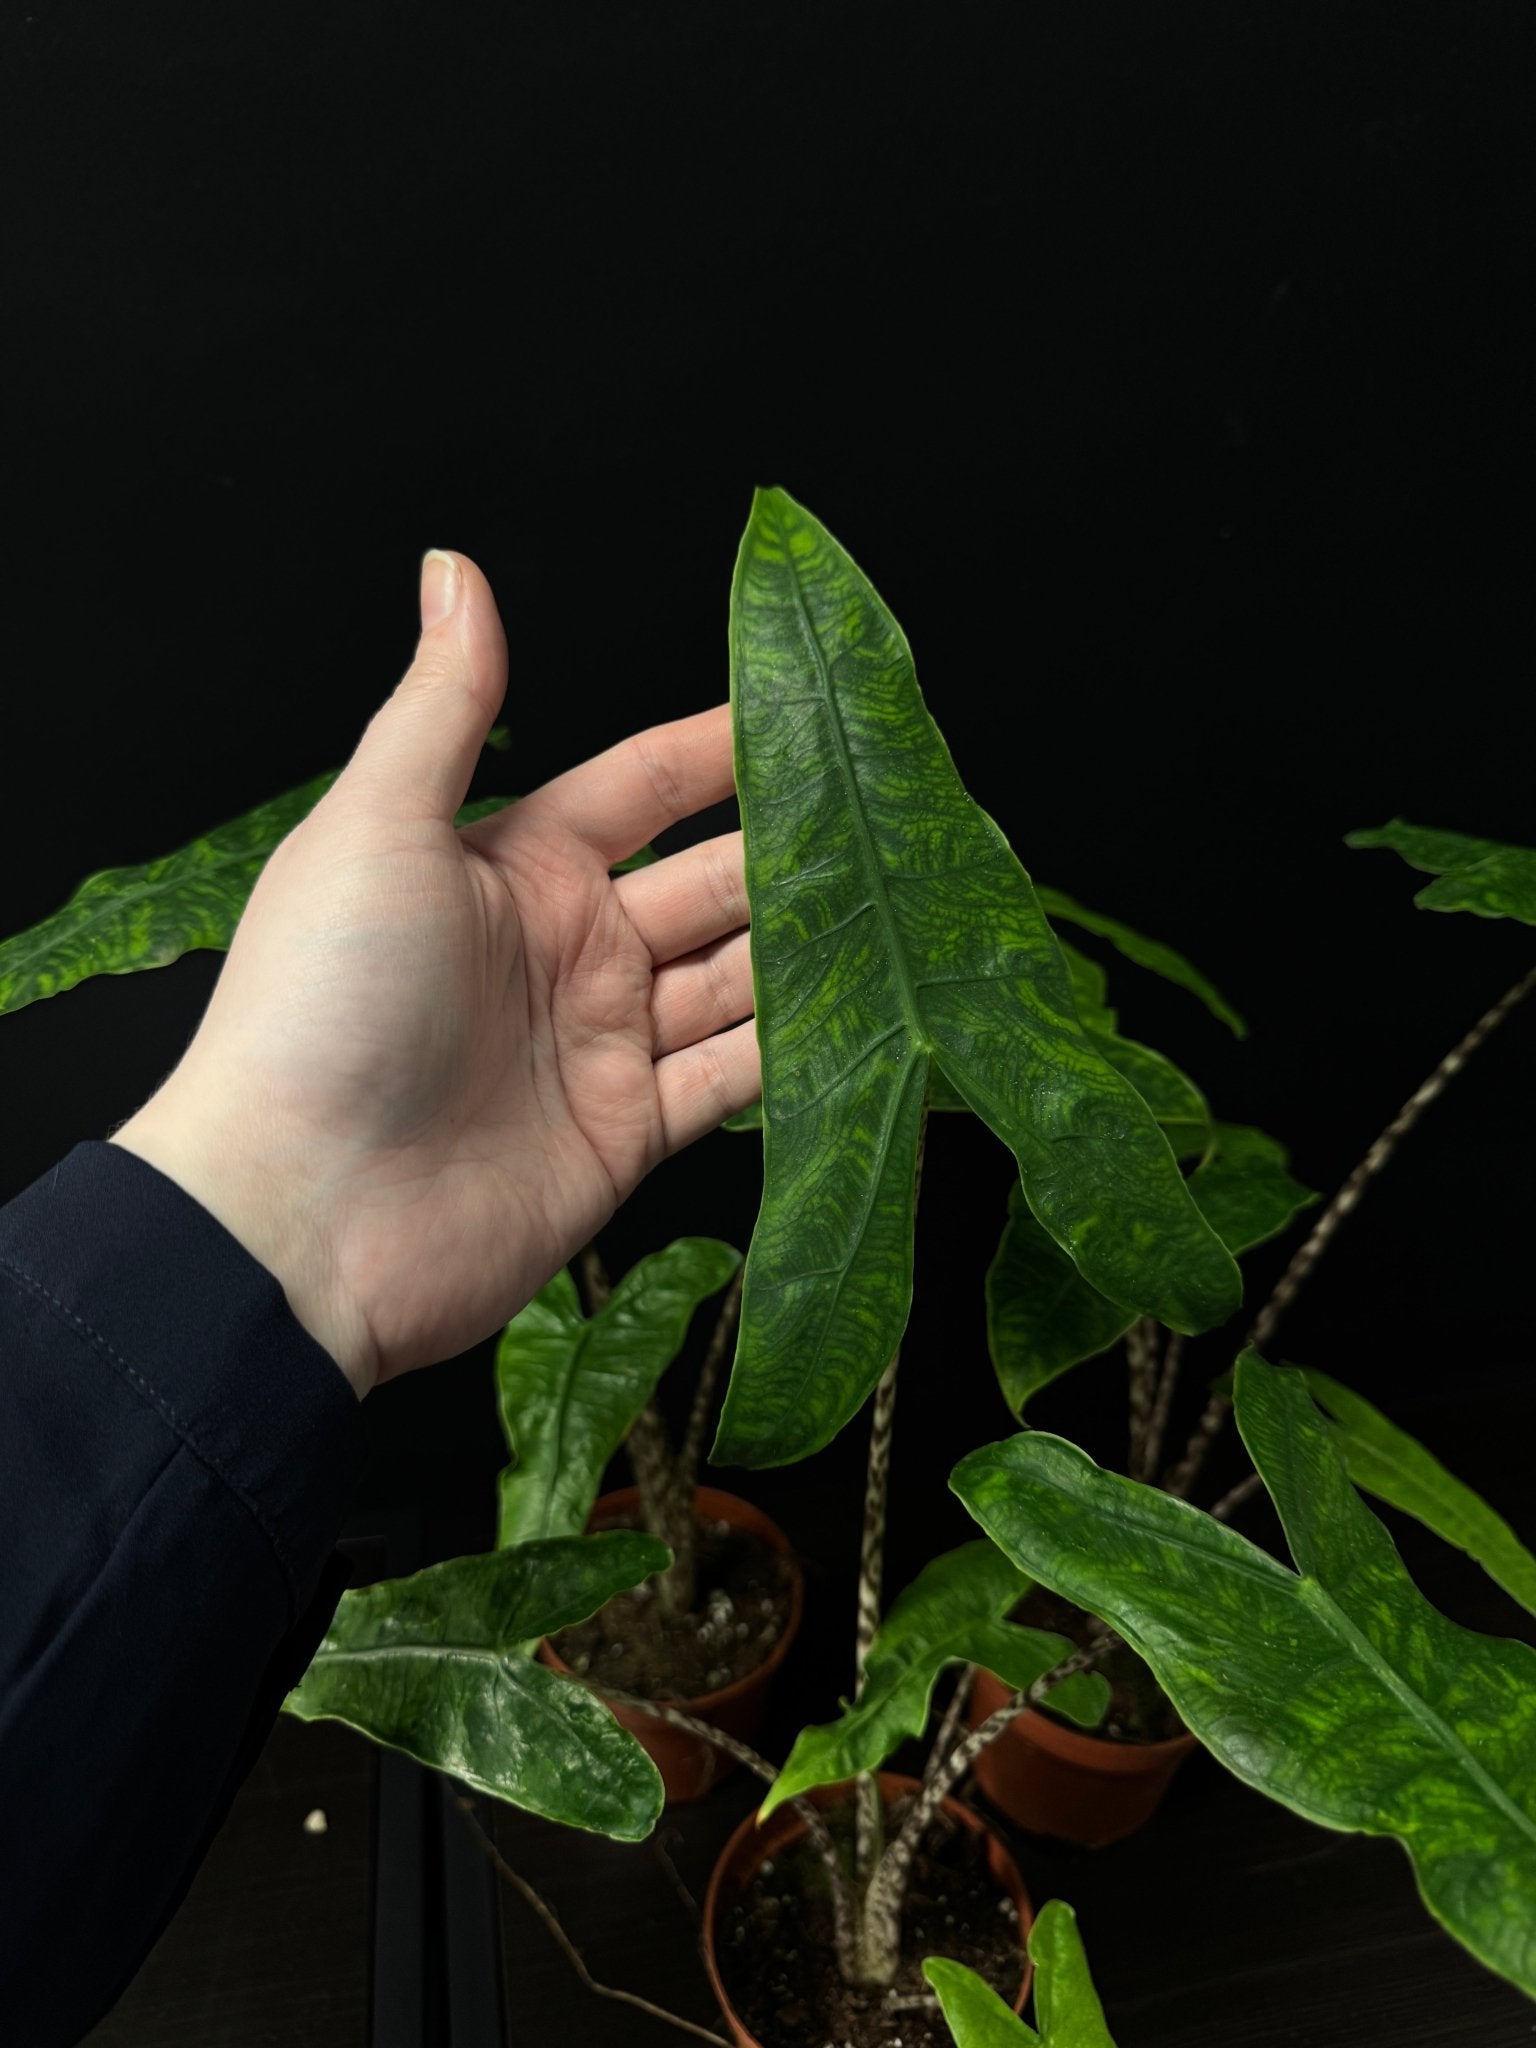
pixel 437 1059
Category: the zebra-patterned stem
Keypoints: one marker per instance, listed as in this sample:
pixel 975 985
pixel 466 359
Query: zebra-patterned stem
pixel 882 1906
pixel 1141 1356
pixel 650 1456
pixel 949 1727
pixel 1326 1228
pixel 748 1758
pixel 872 1547
pixel 1349 1194
pixel 1157 1429
pixel 869 1815
pixel 709 1373
pixel 1229 1503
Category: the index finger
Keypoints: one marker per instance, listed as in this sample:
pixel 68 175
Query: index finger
pixel 622 798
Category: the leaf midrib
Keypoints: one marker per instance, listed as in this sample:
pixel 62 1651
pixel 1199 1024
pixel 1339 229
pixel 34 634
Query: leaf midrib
pixel 1333 1617
pixel 872 861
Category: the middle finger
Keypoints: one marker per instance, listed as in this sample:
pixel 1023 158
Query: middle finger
pixel 684 901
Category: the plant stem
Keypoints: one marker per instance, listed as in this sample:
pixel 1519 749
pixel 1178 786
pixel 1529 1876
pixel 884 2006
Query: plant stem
pixel 573 1954
pixel 868 1803
pixel 709 1372
pixel 1162 1407
pixel 1141 1356
pixel 683 1474
pixel 869 1807
pixel 816 1827
pixel 882 1907
pixel 664 1515
pixel 1229 1503
pixel 949 1727
pixel 1183 1475
pixel 595 1279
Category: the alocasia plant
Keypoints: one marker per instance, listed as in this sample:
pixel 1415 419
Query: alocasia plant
pixel 1335 1688
pixel 904 962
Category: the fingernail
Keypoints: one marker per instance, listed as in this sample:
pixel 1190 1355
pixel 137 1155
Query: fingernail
pixel 439 587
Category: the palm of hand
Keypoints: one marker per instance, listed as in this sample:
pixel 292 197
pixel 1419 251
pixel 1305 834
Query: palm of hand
pixel 470 1045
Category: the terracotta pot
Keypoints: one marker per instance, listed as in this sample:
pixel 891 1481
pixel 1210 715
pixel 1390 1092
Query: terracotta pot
pixel 690 1767
pixel 751 1846
pixel 1056 1780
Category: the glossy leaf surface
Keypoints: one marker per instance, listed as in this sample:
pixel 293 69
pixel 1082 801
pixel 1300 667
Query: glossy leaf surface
pixel 1336 1689
pixel 1175 1102
pixel 1486 876
pixel 894 930
pixel 122 920
pixel 439 1665
pixel 1149 953
pixel 973 2012
pixel 569 1387
pixel 1385 1461
pixel 955 1611
pixel 1067 2009
pixel 1043 1317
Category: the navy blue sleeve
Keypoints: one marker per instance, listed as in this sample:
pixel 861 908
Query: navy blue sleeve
pixel 176 1456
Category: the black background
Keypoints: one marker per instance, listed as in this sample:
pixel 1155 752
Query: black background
pixel 1168 369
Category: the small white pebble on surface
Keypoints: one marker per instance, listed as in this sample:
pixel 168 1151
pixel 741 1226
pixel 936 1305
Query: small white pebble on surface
pixel 315 1822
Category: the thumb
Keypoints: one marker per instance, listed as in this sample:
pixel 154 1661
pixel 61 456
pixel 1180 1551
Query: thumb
pixel 420 749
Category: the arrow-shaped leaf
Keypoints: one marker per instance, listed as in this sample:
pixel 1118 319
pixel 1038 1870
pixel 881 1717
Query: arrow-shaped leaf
pixel 1385 1461
pixel 953 1612
pixel 1485 876
pixel 1043 1317
pixel 1067 2008
pixel 438 1665
pixel 1149 953
pixel 893 931
pixel 569 1387
pixel 1336 1689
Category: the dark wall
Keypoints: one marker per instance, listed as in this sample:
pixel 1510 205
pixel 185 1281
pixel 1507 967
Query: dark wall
pixel 1168 370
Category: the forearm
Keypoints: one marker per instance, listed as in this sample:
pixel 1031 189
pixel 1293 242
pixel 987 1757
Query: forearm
pixel 175 1457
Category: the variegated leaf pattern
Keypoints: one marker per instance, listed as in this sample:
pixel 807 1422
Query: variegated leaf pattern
pixel 1335 1688
pixel 439 1665
pixel 893 930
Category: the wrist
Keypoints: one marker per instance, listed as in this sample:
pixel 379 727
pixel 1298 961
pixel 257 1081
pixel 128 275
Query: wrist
pixel 263 1199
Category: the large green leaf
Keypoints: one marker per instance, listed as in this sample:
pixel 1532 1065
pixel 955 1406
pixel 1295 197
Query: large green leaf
pixel 1043 1317
pixel 569 1387
pixel 1485 876
pixel 954 1611
pixel 438 1665
pixel 1067 2008
pixel 893 930
pixel 122 920
pixel 1336 1689
pixel 1395 1467
pixel 1148 953
pixel 1174 1100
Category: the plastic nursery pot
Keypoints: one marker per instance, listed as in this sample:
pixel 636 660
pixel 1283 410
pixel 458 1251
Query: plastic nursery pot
pixel 1056 1780
pixel 689 1766
pixel 752 1846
